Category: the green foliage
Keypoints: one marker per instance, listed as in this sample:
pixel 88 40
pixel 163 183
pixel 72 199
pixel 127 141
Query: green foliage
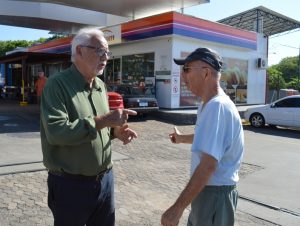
pixel 6 46
pixel 276 80
pixel 56 36
pixel 285 74
pixel 40 40
pixel 289 67
pixel 294 84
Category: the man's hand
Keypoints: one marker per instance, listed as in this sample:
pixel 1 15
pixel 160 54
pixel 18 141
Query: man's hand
pixel 174 136
pixel 172 216
pixel 119 117
pixel 114 118
pixel 124 133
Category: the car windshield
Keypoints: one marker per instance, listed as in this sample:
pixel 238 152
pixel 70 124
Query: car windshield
pixel 136 91
pixel 132 90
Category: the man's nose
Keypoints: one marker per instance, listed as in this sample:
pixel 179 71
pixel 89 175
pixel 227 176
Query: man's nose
pixel 104 56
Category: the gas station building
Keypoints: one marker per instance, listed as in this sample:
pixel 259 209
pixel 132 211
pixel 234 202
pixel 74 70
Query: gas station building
pixel 143 51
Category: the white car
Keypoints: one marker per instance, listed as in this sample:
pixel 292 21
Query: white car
pixel 283 112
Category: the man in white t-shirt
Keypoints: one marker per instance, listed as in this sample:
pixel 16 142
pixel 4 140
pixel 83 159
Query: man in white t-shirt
pixel 217 147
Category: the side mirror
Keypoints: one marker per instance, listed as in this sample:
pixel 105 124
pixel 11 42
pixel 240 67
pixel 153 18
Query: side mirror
pixel 273 105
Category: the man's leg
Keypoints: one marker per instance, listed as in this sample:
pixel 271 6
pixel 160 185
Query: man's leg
pixel 203 209
pixel 226 207
pixel 71 201
pixel 104 213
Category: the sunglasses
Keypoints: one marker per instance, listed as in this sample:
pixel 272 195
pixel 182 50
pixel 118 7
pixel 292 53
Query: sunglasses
pixel 100 52
pixel 186 69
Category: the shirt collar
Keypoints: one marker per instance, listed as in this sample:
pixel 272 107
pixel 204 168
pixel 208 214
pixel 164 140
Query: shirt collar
pixel 80 81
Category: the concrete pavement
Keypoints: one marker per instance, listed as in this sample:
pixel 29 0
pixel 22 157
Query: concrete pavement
pixel 149 174
pixel 187 116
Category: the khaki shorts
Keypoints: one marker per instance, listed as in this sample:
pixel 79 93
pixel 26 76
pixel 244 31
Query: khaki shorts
pixel 214 206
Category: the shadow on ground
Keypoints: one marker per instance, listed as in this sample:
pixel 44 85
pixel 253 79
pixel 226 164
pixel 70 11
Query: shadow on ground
pixel 275 131
pixel 15 118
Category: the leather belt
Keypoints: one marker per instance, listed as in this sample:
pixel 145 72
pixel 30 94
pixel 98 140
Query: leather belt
pixel 97 177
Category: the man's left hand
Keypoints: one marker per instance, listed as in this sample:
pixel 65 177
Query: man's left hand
pixel 125 134
pixel 172 216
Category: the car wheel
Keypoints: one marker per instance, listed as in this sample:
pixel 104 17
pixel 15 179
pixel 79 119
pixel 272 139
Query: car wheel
pixel 257 120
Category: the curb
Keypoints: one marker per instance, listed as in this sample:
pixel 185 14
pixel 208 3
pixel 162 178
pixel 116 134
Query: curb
pixel 176 118
pixel 181 118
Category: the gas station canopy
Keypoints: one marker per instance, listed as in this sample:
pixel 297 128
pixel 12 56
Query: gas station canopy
pixel 262 20
pixel 68 16
pixel 133 9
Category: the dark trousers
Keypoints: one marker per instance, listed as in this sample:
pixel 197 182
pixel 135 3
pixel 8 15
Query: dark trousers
pixel 79 202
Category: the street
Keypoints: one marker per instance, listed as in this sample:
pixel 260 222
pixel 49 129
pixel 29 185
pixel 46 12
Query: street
pixel 150 173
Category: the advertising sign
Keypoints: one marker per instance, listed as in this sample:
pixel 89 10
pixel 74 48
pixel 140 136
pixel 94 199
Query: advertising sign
pixel 233 81
pixel 112 34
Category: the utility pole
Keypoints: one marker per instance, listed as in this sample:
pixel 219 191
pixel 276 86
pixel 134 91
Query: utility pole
pixel 299 70
pixel 278 83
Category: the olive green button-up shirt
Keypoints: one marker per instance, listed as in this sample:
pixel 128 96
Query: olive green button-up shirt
pixel 70 141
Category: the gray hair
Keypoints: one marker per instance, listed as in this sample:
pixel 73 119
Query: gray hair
pixel 84 37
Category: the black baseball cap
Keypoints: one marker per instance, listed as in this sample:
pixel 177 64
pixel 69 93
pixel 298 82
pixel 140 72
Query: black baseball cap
pixel 204 54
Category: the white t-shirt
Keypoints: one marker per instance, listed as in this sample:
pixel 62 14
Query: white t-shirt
pixel 219 133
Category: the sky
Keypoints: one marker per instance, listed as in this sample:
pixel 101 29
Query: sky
pixel 279 47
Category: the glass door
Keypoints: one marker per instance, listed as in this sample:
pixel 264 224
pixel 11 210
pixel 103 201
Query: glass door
pixel 112 74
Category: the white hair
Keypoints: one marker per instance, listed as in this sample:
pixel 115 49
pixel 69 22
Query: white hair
pixel 84 37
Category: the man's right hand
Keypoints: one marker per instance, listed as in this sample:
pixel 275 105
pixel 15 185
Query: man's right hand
pixel 174 136
pixel 119 117
pixel 114 118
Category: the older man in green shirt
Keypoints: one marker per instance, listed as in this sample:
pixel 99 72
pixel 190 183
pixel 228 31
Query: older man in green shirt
pixel 76 132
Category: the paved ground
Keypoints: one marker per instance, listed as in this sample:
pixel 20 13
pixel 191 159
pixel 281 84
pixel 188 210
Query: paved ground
pixel 147 181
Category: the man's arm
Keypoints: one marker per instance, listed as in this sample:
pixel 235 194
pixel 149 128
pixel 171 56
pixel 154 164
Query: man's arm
pixel 117 121
pixel 114 118
pixel 177 137
pixel 196 184
pixel 63 128
pixel 124 133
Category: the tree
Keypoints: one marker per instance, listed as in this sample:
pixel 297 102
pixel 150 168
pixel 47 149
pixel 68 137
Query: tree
pixel 289 67
pixel 294 84
pixel 276 80
pixel 6 46
pixel 55 36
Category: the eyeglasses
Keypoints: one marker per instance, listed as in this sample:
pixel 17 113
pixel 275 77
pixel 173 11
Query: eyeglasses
pixel 100 52
pixel 186 69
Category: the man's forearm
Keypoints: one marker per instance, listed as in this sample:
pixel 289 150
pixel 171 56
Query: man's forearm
pixel 101 122
pixel 185 138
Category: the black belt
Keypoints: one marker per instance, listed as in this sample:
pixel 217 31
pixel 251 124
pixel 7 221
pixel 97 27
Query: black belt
pixel 97 177
pixel 219 188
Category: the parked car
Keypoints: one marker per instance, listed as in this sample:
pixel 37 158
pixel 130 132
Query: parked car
pixel 115 100
pixel 136 99
pixel 283 112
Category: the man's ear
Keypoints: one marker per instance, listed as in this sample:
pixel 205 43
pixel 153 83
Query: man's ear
pixel 79 50
pixel 208 72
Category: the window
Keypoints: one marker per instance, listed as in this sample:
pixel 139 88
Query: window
pixel 112 74
pixel 137 67
pixel 138 71
pixel 289 103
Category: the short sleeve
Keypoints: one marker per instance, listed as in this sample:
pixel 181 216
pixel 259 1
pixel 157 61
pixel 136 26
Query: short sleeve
pixel 210 132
